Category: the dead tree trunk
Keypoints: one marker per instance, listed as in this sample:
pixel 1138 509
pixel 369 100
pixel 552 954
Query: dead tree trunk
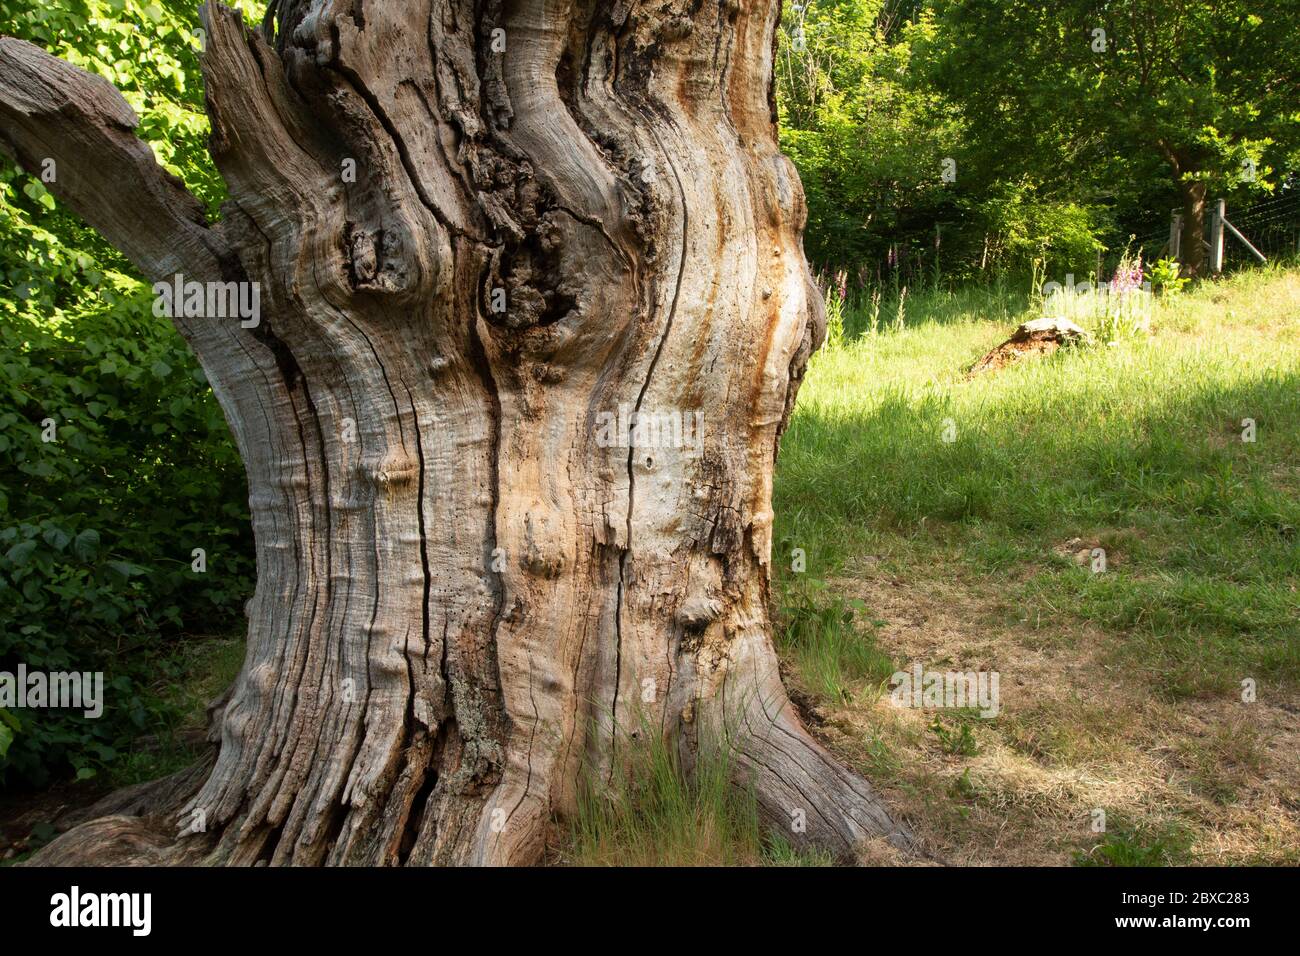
pixel 504 248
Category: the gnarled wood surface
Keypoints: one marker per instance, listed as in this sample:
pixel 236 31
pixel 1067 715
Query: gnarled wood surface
pixel 465 592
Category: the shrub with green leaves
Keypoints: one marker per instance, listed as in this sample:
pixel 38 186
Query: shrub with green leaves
pixel 1166 277
pixel 115 461
pixel 101 522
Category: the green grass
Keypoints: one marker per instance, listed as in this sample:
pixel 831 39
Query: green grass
pixel 210 665
pixel 1163 845
pixel 832 652
pixel 1135 445
pixel 954 737
pixel 652 811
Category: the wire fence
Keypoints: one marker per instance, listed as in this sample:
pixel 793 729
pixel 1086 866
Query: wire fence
pixel 1272 225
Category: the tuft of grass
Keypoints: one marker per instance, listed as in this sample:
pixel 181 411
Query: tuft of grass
pixel 831 652
pixel 651 811
pixel 1223 762
pixel 1069 731
pixel 1167 844
pixel 958 740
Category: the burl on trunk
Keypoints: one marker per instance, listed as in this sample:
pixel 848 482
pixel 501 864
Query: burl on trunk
pixel 533 312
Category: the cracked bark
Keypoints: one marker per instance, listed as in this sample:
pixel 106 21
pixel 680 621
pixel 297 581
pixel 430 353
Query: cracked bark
pixel 463 593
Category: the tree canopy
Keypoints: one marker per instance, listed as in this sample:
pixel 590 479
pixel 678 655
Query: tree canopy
pixel 1066 126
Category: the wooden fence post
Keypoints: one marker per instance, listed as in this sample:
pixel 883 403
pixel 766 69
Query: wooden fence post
pixel 1216 236
pixel 1176 236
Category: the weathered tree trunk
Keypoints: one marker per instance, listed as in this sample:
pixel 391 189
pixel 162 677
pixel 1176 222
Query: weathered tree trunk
pixel 481 230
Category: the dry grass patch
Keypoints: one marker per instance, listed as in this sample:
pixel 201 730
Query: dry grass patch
pixel 1206 780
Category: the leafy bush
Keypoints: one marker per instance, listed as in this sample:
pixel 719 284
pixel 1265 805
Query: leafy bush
pixel 1024 226
pixel 96 564
pixel 869 146
pixel 98 525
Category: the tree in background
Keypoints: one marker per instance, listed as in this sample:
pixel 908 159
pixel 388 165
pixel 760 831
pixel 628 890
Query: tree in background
pixel 896 182
pixel 1091 95
pixel 868 144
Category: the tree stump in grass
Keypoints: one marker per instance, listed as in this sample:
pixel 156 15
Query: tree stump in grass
pixel 1038 337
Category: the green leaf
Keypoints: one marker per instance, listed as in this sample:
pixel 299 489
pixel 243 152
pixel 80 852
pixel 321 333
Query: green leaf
pixel 20 552
pixel 86 545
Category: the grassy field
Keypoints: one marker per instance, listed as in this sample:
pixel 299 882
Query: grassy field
pixel 959 518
